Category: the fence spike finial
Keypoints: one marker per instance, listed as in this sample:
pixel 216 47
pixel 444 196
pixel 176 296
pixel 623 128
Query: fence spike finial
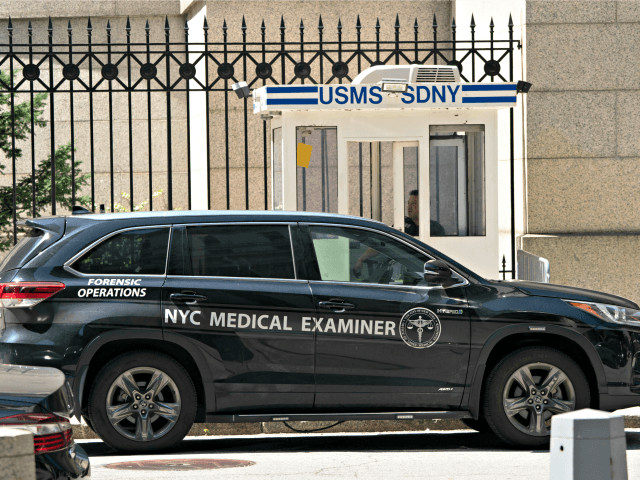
pixel 10 26
pixel 205 24
pixel 320 24
pixel 435 22
pixel 473 22
pixel 453 23
pixel 108 27
pixel 491 24
pixel 50 26
pixel 510 21
pixel 377 25
pixel 30 28
pixel 282 27
pixel 89 26
pixel 127 27
pixel 146 27
pixel 243 26
pixel 358 24
pixel 397 25
pixel 69 29
pixel 301 26
pixel 263 27
pixel 339 24
pixel 166 23
pixel 224 24
pixel 415 25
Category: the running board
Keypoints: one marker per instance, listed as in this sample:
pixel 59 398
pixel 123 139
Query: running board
pixel 334 417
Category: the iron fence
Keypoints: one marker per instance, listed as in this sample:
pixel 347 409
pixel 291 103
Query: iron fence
pixel 84 67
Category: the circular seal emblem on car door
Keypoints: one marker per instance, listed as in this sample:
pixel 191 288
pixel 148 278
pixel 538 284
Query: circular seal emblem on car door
pixel 420 328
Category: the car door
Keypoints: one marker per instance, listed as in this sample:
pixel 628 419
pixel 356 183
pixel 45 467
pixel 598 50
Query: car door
pixel 385 338
pixel 232 289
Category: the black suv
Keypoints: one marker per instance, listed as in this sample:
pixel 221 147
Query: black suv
pixel 162 319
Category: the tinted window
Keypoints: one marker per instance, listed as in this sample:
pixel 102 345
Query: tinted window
pixel 136 252
pixel 361 256
pixel 255 251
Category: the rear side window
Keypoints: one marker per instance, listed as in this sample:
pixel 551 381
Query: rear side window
pixel 253 251
pixel 134 252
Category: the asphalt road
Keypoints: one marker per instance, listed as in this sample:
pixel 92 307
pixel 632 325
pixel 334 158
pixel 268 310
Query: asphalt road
pixel 442 455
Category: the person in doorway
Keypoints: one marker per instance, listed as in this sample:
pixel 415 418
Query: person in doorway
pixel 411 227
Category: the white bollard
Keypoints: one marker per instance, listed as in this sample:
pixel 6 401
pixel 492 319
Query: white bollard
pixel 17 460
pixel 588 444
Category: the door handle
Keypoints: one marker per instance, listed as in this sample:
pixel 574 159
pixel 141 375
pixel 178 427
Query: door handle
pixel 338 306
pixel 188 298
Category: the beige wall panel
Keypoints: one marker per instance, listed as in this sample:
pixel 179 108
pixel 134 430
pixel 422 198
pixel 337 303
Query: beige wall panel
pixel 594 262
pixel 628 10
pixel 83 8
pixel 571 124
pixel 628 123
pixel 567 11
pixel 583 57
pixel 583 195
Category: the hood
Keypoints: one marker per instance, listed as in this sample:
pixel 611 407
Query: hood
pixel 569 293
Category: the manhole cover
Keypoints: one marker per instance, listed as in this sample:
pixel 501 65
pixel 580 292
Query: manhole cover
pixel 180 464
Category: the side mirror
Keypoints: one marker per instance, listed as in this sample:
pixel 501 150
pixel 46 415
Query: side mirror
pixel 438 272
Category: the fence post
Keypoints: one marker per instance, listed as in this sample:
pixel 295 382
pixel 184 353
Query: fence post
pixel 17 460
pixel 588 444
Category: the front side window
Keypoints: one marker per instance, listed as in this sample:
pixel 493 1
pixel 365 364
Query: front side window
pixel 250 251
pixel 362 256
pixel 134 252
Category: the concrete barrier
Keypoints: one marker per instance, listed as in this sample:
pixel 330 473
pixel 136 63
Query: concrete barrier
pixel 17 461
pixel 588 444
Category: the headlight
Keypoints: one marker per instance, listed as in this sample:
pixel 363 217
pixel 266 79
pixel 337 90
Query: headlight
pixel 609 313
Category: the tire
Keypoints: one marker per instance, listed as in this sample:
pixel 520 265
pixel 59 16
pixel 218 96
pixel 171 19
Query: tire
pixel 528 421
pixel 479 425
pixel 141 402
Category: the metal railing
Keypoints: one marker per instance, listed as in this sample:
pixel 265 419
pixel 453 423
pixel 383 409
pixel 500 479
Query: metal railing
pixel 532 268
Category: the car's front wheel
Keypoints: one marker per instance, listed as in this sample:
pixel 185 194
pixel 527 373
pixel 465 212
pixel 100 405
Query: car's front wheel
pixel 142 401
pixel 526 388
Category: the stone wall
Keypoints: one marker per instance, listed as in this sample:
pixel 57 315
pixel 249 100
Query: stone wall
pixel 583 153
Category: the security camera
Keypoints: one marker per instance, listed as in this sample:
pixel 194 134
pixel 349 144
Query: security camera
pixel 523 87
pixel 241 89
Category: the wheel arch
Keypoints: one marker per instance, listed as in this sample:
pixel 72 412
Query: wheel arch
pixel 513 337
pixel 116 342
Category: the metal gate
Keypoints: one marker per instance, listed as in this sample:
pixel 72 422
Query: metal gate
pixel 117 80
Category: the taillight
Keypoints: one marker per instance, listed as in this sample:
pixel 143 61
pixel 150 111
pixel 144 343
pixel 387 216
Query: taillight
pixel 50 432
pixel 27 294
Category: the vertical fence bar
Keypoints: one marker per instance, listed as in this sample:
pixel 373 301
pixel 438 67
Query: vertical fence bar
pixel 491 26
pixel 149 142
pixel 72 126
pixel 52 120
pixel 205 27
pixel 168 85
pixel 226 115
pixel 358 45
pixel 91 146
pixel 473 48
pixel 32 119
pixel 453 45
pixel 112 208
pixel 246 128
pixel 187 82
pixel 435 39
pixel 396 27
pixel 378 41
pixel 415 40
pixel 264 123
pixel 512 160
pixel 13 135
pixel 320 49
pixel 339 45
pixel 128 30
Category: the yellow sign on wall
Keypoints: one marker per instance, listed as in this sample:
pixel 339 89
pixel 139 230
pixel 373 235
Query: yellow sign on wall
pixel 304 155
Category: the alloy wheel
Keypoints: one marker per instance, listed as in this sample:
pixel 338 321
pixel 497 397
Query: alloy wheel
pixel 533 394
pixel 143 404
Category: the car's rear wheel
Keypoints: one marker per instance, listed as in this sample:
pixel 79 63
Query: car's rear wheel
pixel 526 388
pixel 142 401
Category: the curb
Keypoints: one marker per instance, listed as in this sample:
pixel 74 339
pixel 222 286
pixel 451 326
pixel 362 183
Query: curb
pixel 352 426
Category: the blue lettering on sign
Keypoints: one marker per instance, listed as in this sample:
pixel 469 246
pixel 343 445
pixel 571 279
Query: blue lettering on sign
pixel 453 93
pixel 421 89
pixel 357 95
pixel 409 95
pixel 341 95
pixel 437 92
pixel 374 92
pixel 322 96
pixel 358 99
